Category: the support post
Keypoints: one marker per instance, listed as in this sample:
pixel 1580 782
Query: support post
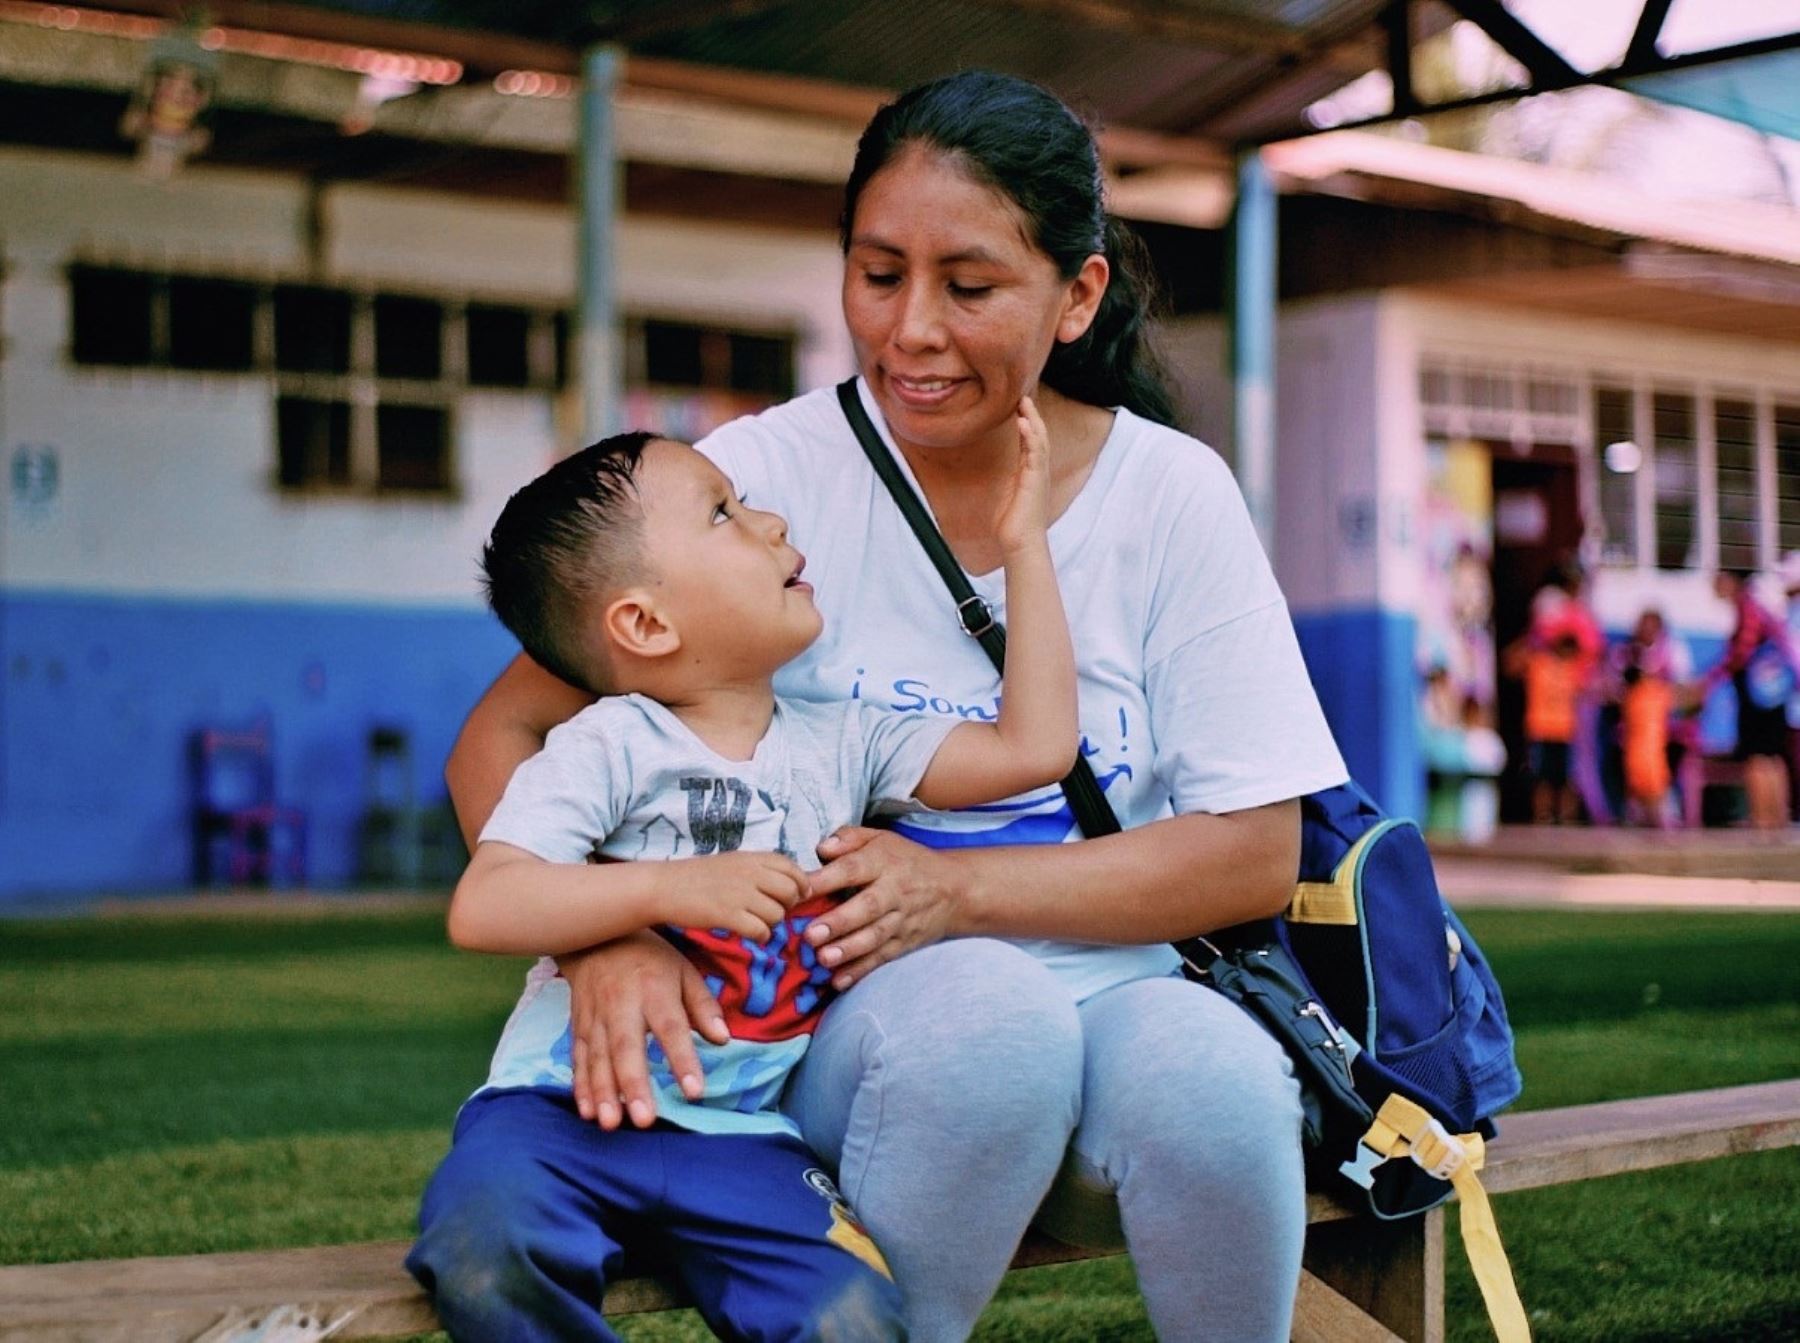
pixel 598 364
pixel 1392 1271
pixel 1398 20
pixel 1253 296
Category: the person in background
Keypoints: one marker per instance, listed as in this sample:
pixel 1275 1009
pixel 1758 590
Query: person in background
pixel 1789 573
pixel 1654 737
pixel 1562 608
pixel 1553 676
pixel 1760 667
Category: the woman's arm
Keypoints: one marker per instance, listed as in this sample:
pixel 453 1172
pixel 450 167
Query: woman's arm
pixel 1171 878
pixel 506 727
pixel 618 992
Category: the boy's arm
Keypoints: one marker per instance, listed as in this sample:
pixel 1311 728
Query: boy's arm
pixel 1036 736
pixel 512 902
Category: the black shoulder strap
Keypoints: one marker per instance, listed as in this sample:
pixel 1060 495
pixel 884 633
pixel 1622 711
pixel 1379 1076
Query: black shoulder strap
pixel 1093 813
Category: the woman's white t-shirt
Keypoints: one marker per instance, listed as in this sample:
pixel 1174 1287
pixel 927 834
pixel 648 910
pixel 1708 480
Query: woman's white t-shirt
pixel 1193 693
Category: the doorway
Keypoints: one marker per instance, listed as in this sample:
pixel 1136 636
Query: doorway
pixel 1537 530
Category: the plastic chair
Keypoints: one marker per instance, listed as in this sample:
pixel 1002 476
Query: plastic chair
pixel 232 808
pixel 389 847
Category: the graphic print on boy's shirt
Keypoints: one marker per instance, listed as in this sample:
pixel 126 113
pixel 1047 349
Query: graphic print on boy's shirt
pixel 629 770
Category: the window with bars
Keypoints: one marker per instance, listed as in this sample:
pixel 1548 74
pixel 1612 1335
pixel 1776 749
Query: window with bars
pixel 1787 476
pixel 1618 474
pixel 1734 475
pixel 327 350
pixel 1520 404
pixel 366 384
pixel 1675 481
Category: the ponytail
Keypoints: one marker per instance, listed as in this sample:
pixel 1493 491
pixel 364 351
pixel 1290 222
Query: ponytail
pixel 1115 363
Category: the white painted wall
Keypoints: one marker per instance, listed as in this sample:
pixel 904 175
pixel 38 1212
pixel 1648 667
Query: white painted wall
pixel 1346 481
pixel 1328 521
pixel 166 478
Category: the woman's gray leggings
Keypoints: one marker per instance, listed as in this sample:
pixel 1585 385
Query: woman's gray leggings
pixel 947 1086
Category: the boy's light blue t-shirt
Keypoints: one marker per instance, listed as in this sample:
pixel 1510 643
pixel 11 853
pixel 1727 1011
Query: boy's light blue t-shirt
pixel 626 779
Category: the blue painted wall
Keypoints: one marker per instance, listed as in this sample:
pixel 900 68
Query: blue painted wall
pixel 98 695
pixel 1361 660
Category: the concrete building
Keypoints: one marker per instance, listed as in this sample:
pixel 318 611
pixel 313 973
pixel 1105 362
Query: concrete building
pixel 258 419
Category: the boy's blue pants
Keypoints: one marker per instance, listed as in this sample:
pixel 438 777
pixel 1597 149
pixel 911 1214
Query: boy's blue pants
pixel 535 1210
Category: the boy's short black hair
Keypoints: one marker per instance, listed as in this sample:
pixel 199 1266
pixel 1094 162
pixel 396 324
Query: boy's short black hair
pixel 573 534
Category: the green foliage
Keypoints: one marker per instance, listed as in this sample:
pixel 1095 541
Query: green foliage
pixel 191 1084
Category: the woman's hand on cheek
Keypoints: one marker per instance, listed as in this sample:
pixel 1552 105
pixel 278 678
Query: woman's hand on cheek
pixel 905 897
pixel 618 993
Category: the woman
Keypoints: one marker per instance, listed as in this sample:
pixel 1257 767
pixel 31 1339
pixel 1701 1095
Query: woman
pixel 1011 1009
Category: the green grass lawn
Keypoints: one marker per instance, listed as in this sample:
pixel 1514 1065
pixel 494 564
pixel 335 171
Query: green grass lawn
pixel 179 1085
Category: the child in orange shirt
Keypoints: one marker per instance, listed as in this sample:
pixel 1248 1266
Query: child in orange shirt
pixel 1644 711
pixel 1553 680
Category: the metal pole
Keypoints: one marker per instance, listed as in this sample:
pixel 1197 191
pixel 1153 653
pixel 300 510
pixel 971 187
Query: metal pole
pixel 1253 295
pixel 598 365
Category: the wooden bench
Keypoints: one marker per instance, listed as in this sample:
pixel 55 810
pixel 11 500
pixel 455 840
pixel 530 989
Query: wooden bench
pixel 1364 1280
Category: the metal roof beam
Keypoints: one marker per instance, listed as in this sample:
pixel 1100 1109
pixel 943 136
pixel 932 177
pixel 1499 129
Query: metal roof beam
pixel 1546 66
pixel 478 49
pixel 1619 75
pixel 1397 18
pixel 1642 49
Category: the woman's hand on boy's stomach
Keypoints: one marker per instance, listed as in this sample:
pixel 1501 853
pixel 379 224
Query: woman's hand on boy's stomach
pixel 899 896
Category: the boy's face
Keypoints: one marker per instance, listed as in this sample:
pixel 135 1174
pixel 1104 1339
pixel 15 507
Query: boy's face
pixel 724 572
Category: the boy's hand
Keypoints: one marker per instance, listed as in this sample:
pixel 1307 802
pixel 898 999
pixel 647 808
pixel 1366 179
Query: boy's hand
pixel 744 893
pixel 1025 515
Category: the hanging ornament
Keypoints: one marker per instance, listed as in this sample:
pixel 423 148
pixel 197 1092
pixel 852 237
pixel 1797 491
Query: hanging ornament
pixel 164 115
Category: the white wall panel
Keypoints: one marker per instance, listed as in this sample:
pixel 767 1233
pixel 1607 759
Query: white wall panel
pixel 165 480
pixel 58 204
pixel 1327 426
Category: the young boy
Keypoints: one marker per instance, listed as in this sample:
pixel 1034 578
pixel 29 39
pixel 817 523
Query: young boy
pixel 633 571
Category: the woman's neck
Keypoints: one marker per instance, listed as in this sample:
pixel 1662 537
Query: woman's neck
pixel 991 458
pixel 965 483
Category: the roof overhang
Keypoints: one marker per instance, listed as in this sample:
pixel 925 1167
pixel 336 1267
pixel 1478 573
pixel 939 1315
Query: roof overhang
pixel 1727 266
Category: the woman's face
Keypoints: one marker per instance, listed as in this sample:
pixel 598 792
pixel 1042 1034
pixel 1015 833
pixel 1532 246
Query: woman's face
pixel 951 309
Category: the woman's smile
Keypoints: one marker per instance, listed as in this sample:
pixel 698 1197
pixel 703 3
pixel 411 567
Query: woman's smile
pixel 922 393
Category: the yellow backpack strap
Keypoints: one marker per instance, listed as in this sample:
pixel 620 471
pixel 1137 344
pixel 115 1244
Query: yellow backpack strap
pixel 1334 901
pixel 1402 1128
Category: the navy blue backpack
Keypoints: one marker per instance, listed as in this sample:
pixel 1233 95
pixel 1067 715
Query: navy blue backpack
pixel 1379 991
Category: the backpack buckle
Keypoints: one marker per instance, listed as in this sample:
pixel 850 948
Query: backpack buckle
pixel 975 616
pixel 1436 1152
pixel 1360 1169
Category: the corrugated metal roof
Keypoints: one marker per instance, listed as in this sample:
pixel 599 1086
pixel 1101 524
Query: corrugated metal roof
pixel 1209 69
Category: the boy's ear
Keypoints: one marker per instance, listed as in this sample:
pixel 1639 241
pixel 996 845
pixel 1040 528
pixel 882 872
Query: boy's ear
pixel 635 625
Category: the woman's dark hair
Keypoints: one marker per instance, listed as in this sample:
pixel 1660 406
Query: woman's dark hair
pixel 1023 141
